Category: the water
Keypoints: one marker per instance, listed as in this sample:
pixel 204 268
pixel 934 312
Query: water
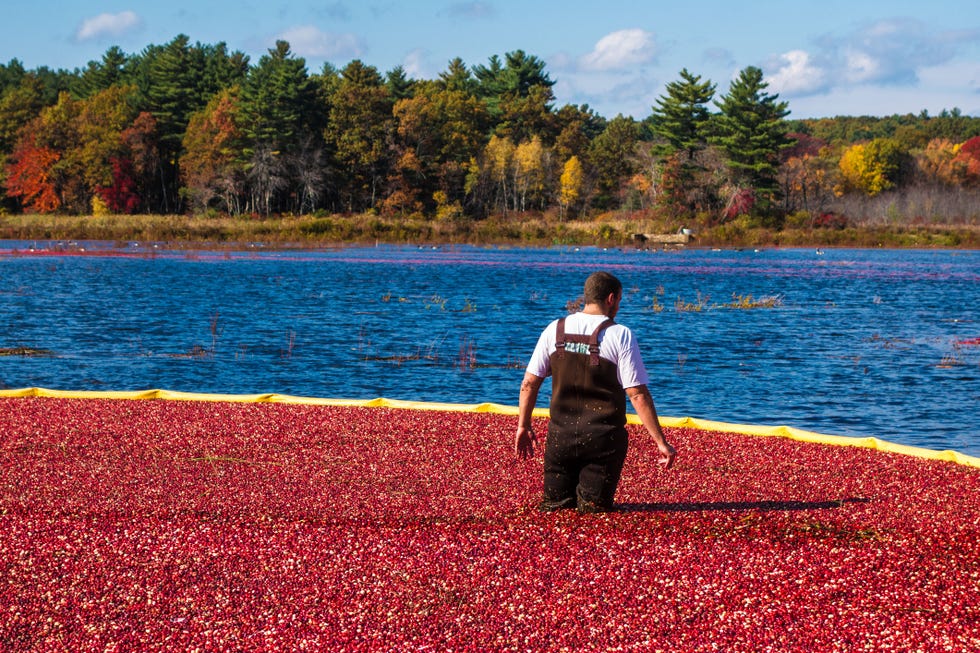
pixel 860 342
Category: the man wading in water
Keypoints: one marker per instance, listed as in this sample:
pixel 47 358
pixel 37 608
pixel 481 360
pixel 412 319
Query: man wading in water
pixel 595 363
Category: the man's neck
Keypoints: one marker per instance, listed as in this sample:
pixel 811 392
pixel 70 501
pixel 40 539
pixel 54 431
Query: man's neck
pixel 594 309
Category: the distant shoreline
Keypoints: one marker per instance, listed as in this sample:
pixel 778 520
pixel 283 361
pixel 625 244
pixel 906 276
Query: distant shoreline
pixel 620 230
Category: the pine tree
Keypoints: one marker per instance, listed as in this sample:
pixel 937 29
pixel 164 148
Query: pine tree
pixel 279 119
pixel 751 131
pixel 681 116
pixel 277 99
pixel 457 77
pixel 100 75
pixel 398 84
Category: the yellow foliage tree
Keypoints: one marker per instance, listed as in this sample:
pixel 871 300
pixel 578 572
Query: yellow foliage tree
pixel 572 179
pixel 498 159
pixel 870 167
pixel 529 172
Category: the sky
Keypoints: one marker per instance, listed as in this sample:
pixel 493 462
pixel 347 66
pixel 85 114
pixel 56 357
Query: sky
pixel 824 58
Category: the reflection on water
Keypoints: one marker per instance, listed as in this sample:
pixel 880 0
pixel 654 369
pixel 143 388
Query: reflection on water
pixel 853 342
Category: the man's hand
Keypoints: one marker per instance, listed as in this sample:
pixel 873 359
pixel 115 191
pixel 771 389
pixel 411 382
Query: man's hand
pixel 525 442
pixel 667 455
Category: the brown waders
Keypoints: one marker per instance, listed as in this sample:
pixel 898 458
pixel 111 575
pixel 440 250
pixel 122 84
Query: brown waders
pixel 587 439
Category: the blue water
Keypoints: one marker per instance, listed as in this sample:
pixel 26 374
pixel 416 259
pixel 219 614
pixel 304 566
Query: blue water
pixel 860 342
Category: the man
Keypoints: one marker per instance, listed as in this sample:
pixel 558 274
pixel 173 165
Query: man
pixel 592 360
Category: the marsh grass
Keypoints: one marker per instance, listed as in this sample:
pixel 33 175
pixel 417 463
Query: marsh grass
pixel 750 302
pixel 614 229
pixel 703 303
pixel 700 303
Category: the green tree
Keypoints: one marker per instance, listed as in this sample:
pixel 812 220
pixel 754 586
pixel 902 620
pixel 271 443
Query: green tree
pixel 19 104
pixel 525 117
pixel 280 119
pixel 100 75
pixel 577 127
pixel 11 74
pixel 278 100
pixel 681 116
pixel 512 82
pixel 398 84
pixel 444 130
pixel 751 131
pixel 176 80
pixel 358 132
pixel 611 159
pixel 457 77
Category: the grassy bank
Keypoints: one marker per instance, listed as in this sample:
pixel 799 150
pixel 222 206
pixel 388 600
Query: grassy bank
pixel 610 230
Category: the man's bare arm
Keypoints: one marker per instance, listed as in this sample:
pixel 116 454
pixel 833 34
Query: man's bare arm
pixel 524 440
pixel 642 402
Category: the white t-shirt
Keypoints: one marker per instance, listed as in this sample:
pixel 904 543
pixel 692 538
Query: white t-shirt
pixel 616 344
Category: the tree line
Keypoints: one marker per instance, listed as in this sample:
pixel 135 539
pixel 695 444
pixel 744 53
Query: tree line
pixel 185 127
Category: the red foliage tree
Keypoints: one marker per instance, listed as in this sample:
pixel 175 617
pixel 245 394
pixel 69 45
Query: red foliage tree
pixel 967 162
pixel 122 195
pixel 29 173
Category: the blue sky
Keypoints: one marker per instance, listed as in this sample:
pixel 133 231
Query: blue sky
pixel 825 57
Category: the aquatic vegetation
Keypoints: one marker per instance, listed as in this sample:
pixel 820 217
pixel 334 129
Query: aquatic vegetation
pixel 184 525
pixel 749 302
pixel 701 303
pixel 27 352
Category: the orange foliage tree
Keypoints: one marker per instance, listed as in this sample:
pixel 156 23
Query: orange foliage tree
pixel 803 175
pixel 966 163
pixel 210 167
pixel 29 173
pixel 935 162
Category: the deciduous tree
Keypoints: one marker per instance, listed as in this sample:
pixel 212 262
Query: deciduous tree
pixel 611 158
pixel 29 172
pixel 870 167
pixel 804 174
pixel 966 163
pixel 358 131
pixel 213 165
pixel 19 104
pixel 531 165
pixel 444 129
pixel 571 185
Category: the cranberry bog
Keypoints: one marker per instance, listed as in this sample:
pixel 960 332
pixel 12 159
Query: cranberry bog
pixel 220 525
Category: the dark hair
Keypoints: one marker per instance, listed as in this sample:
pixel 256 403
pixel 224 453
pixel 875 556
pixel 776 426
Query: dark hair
pixel 600 285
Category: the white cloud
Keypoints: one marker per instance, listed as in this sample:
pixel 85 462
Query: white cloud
pixel 861 67
pixel 416 65
pixel 619 50
pixel 609 94
pixel 107 25
pixel 312 43
pixel 889 66
pixel 471 10
pixel 895 51
pixel 797 73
